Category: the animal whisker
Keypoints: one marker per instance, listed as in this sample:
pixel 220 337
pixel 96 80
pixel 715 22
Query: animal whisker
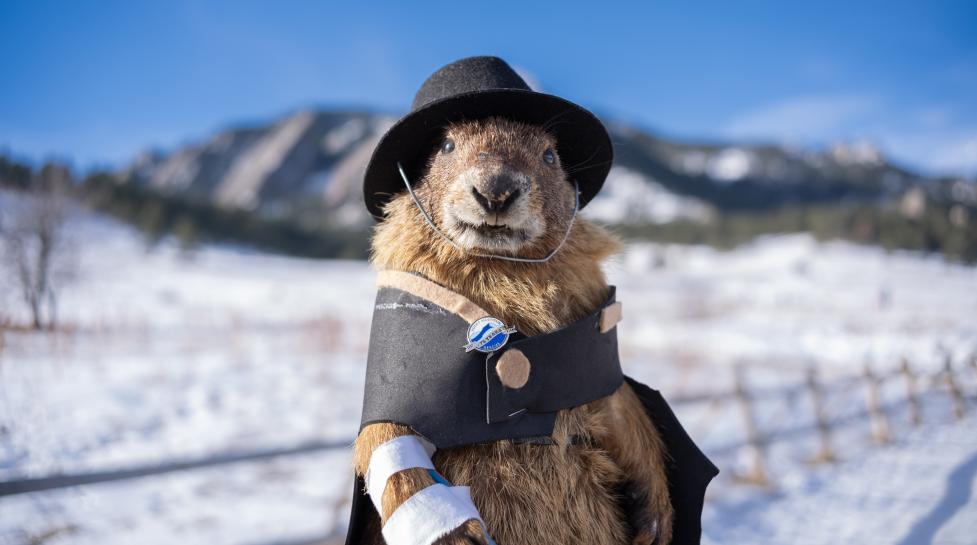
pixel 594 165
pixel 578 166
pixel 549 123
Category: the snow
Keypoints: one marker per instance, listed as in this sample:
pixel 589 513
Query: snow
pixel 859 152
pixel 730 164
pixel 790 298
pixel 242 503
pixel 630 196
pixel 916 492
pixel 168 355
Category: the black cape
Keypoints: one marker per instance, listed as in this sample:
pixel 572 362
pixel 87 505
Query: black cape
pixel 456 398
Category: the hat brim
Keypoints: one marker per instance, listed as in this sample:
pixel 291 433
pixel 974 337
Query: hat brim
pixel 583 143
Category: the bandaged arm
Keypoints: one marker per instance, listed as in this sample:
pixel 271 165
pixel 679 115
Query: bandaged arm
pixel 432 511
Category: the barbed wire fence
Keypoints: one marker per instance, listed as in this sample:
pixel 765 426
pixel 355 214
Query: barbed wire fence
pixel 824 400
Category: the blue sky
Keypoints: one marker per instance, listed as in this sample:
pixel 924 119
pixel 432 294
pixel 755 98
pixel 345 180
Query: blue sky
pixel 96 82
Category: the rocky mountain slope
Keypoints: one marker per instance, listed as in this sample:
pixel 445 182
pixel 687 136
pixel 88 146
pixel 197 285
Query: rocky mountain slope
pixel 314 160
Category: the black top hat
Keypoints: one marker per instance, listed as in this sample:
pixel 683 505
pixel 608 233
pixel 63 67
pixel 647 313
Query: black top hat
pixel 478 88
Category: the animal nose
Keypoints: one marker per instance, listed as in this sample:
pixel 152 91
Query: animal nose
pixel 498 194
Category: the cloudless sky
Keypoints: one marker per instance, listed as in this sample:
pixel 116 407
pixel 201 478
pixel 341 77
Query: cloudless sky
pixel 96 82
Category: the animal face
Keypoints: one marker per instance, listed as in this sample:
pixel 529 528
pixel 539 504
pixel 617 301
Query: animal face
pixel 497 185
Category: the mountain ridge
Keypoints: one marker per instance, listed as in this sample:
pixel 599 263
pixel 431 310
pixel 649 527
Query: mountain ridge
pixel 313 159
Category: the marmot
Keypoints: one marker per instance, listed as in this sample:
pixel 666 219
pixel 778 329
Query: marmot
pixel 488 217
pixel 528 494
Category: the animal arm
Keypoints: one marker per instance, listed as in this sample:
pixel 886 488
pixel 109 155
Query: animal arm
pixel 634 443
pixel 414 508
pixel 392 457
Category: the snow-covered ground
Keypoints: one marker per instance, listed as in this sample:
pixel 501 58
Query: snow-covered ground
pixel 917 491
pixel 167 355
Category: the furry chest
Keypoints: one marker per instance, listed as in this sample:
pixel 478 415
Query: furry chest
pixel 563 488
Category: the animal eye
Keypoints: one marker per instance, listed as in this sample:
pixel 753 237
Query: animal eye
pixel 447 146
pixel 549 157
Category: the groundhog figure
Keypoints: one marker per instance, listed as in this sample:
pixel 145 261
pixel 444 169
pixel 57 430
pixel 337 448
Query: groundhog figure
pixel 487 280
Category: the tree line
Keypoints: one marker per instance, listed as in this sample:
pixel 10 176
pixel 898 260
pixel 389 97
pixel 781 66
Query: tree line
pixel 192 222
pixel 935 227
pixel 940 228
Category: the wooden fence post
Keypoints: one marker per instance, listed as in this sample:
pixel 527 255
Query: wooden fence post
pixel 912 393
pixel 952 387
pixel 4 325
pixel 756 473
pixel 879 420
pixel 822 423
pixel 973 362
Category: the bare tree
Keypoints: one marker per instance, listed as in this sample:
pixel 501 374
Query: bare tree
pixel 37 251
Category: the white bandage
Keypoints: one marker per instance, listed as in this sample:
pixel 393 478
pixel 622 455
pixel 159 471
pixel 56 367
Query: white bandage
pixel 430 514
pixel 398 454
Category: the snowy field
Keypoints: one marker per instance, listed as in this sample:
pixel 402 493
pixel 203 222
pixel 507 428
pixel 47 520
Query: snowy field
pixel 167 355
pixel 917 491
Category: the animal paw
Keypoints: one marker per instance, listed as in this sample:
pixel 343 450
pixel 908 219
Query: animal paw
pixel 647 535
pixel 469 533
pixel 650 523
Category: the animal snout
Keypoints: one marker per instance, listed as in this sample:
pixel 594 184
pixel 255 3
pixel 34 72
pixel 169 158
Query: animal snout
pixel 498 194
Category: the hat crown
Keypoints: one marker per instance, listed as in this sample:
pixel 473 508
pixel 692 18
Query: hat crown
pixel 481 88
pixel 466 76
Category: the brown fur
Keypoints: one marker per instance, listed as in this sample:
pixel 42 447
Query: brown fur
pixel 528 494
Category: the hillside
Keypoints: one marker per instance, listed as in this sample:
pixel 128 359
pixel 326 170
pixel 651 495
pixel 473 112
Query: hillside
pixel 315 160
pixel 294 186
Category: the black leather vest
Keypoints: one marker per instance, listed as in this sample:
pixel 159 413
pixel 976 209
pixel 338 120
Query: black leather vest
pixel 419 374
